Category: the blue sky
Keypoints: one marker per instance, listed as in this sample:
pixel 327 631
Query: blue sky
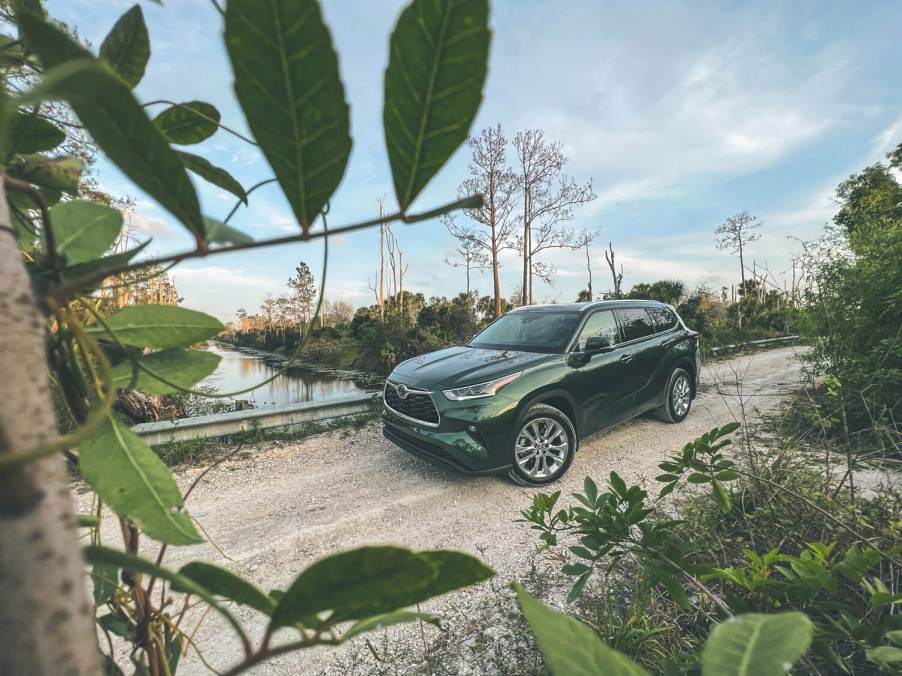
pixel 681 113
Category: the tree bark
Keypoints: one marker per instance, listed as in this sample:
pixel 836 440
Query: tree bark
pixel 46 619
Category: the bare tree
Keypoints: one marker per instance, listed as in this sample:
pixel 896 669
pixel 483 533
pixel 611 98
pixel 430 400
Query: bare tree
pixel 490 175
pixel 584 240
pixel 737 232
pixel 617 277
pixel 382 227
pixel 473 256
pixel 549 197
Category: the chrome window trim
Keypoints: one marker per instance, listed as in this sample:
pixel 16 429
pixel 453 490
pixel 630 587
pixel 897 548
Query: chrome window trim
pixel 408 418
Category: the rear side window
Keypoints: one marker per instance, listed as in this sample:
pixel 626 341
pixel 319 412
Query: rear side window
pixel 599 324
pixel 665 319
pixel 636 323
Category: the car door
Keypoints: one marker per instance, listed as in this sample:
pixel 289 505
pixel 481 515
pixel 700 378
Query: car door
pixel 642 351
pixel 597 379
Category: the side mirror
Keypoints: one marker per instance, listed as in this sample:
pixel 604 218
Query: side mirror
pixel 598 343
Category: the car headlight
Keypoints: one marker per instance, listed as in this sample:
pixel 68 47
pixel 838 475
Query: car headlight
pixel 487 389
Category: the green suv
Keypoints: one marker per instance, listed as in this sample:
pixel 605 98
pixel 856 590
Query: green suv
pixel 521 394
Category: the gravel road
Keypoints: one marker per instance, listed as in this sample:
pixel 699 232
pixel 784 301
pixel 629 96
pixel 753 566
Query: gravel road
pixel 286 504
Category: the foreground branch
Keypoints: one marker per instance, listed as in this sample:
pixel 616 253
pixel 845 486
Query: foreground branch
pixel 65 290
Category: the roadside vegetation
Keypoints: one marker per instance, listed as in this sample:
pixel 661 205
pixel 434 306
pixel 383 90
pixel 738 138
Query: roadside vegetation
pixel 790 519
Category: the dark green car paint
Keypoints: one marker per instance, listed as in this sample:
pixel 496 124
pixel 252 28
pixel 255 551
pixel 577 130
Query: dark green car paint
pixel 594 390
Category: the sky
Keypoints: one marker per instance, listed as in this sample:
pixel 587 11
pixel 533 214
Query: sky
pixel 680 113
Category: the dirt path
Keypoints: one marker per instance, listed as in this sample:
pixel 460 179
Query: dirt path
pixel 288 504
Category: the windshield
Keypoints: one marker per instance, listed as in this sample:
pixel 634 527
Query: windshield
pixel 539 331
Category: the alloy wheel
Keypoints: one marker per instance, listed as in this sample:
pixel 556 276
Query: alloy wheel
pixel 680 396
pixel 542 447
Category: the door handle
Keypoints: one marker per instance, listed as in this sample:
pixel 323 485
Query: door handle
pixel 626 358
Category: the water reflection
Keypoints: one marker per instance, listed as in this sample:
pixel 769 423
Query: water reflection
pixel 240 369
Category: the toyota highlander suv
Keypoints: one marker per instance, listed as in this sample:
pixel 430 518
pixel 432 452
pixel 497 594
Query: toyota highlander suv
pixel 522 393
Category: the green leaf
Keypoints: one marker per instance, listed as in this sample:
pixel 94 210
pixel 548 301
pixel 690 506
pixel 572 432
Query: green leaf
pixel 894 636
pixel 115 624
pixel 354 583
pixel 727 429
pixel 56 173
pixel 375 580
pixel 387 620
pixel 183 368
pixel 219 232
pixel 107 263
pixel 115 120
pixel 221 582
pixel 885 655
pixel 159 326
pixel 756 645
pixel 667 478
pixel 132 480
pixel 618 484
pixel 127 46
pixel 105 578
pixel 722 497
pixel 188 123
pixel 433 87
pixel 27 133
pixel 699 478
pixel 213 174
pixel 287 81
pixel 84 230
pixel 571 648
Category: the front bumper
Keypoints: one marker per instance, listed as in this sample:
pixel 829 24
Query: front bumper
pixel 472 437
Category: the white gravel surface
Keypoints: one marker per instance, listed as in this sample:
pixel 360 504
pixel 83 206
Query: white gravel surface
pixel 278 509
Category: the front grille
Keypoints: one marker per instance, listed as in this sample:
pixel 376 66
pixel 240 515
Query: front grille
pixel 417 405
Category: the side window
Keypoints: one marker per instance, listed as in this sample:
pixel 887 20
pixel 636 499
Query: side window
pixel 601 323
pixel 636 322
pixel 664 318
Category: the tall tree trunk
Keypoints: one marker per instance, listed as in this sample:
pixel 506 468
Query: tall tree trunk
pixel 46 620
pixel 496 277
pixel 742 267
pixel 381 263
pixel 526 243
pixel 589 268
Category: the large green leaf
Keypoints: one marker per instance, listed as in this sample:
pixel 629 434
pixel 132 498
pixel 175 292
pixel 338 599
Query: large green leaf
pixel 756 644
pixel 115 120
pixel 159 326
pixel 183 368
pixel 371 581
pixel 188 123
pixel 221 582
pixel 354 584
pixel 127 46
pixel 129 477
pixel 215 175
pixel 84 230
pixel 433 87
pixel 107 263
pixel 27 133
pixel 54 173
pixel 287 81
pixel 569 647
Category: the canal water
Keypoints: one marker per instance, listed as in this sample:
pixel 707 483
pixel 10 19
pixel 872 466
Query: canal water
pixel 241 368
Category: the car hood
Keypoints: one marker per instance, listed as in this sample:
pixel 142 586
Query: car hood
pixel 458 366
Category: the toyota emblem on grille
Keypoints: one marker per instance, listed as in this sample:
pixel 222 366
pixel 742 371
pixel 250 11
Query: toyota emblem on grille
pixel 402 391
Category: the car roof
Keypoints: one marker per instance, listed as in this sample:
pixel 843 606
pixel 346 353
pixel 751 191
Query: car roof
pixel 590 305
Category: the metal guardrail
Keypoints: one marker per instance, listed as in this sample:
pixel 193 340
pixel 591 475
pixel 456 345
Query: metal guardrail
pixel 754 343
pixel 224 424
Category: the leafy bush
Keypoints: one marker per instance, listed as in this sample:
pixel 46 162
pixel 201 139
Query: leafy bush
pixel 742 547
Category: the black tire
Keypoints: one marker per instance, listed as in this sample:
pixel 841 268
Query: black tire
pixel 536 421
pixel 675 408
